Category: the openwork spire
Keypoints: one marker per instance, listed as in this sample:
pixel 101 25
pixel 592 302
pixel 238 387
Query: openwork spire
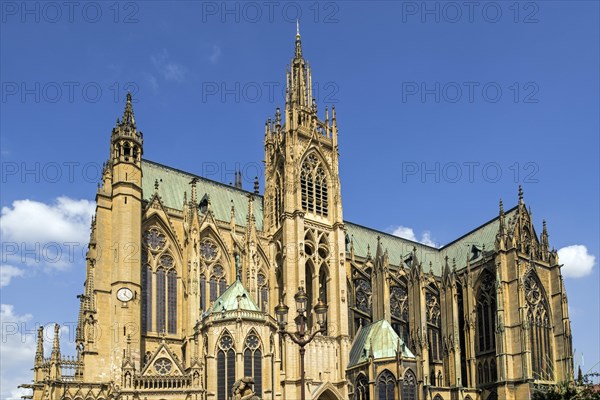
pixel 298 42
pixel 128 118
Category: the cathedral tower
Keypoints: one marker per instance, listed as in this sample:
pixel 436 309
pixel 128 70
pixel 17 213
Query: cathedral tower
pixel 113 283
pixel 303 221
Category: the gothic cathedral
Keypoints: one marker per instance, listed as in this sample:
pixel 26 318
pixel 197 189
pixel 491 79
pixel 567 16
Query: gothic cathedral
pixel 184 273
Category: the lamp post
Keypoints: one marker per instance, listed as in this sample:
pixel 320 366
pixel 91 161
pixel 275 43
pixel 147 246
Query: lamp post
pixel 301 337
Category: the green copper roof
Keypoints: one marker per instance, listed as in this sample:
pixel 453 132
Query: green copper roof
pixel 460 249
pixel 378 338
pixel 173 183
pixel 398 248
pixel 236 294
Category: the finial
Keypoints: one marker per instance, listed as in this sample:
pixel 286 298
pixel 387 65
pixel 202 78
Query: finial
pixel 256 187
pixel 298 44
pixel 128 118
pixel 520 194
pixel 156 184
pixel 501 207
pixel 277 117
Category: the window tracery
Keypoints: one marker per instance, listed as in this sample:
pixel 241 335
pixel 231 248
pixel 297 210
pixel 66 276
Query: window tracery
pixel 263 291
pixel 434 323
pixel 409 386
pixel 386 384
pixel 155 240
pixel 363 295
pixel 486 312
pixel 163 366
pixel 399 309
pixel 313 186
pixel 361 388
pixel 225 366
pixel 253 361
pixel 540 329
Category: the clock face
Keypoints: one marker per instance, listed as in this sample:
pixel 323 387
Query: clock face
pixel 124 294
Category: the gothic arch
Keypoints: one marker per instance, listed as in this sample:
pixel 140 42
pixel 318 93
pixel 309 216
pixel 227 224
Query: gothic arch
pixel 209 232
pixel 327 392
pixel 320 156
pixel 409 385
pixel 155 219
pixel 486 311
pixel 226 359
pixel 434 323
pixel 540 326
pixel 361 387
pixel 253 359
pixel 315 184
pixel 386 385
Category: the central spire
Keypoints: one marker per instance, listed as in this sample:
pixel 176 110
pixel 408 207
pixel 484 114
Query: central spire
pixel 298 42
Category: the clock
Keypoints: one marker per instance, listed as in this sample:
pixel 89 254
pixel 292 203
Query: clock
pixel 124 294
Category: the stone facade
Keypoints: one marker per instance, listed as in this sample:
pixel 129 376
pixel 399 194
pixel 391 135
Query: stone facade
pixel 183 275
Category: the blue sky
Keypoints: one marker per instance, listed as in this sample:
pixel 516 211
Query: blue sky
pixel 443 108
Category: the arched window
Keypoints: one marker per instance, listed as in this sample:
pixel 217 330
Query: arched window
pixel 409 386
pixel 540 329
pixel 361 388
pixel 263 291
pixel 440 379
pixel 386 386
pixel 399 308
pixel 313 186
pixel 225 366
pixel 486 372
pixel 203 302
pixel 160 301
pixel 253 361
pixel 278 200
pixel 222 286
pixel 308 271
pixel 363 295
pixel 172 288
pixel 479 373
pixel 214 293
pixel 434 323
pixel 486 313
pixel 147 298
pixel 493 373
pixel 323 282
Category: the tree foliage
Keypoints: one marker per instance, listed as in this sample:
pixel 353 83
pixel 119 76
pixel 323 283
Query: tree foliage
pixel 581 389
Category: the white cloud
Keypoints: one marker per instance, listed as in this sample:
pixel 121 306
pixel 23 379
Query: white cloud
pixel 7 272
pixel 39 234
pixel 67 220
pixel 151 81
pixel 405 232
pixel 170 70
pixel 577 261
pixel 408 233
pixel 215 55
pixel 18 345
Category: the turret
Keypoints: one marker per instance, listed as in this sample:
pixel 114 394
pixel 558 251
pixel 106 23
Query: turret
pixel 126 141
pixel 55 358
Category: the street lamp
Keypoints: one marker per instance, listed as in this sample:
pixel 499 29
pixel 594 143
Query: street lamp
pixel 300 337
